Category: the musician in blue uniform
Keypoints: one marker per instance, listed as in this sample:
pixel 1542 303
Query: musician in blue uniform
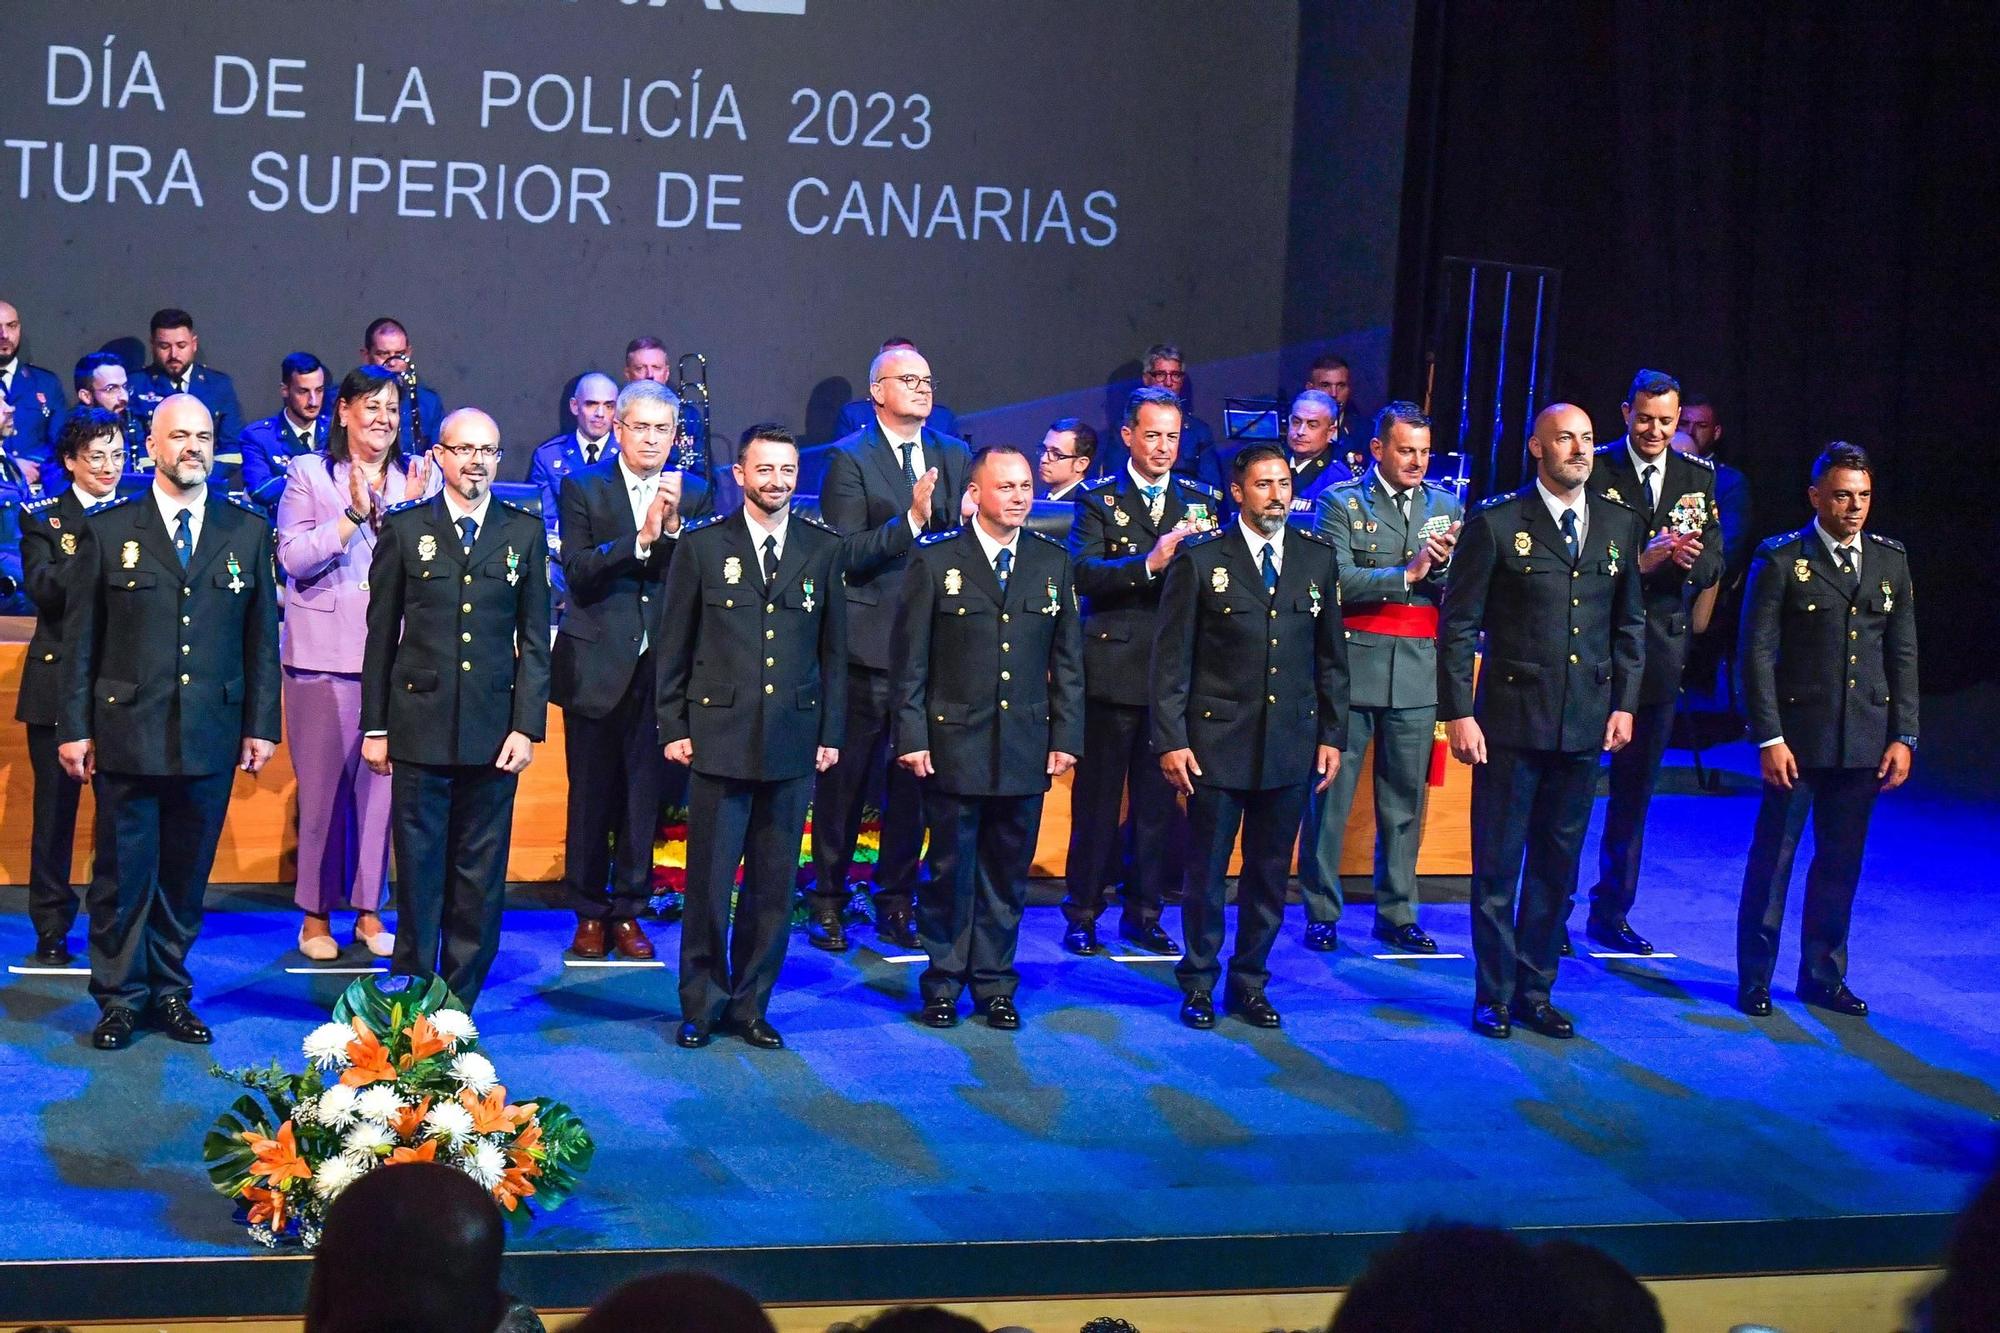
pixel 270 444
pixel 176 368
pixel 35 393
pixel 1309 450
pixel 386 343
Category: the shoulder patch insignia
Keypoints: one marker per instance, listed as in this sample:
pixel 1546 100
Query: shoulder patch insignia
pixel 1310 535
pixel 1097 483
pixel 1201 486
pixel 37 506
pixel 119 503
pixel 698 524
pixel 1493 502
pixel 1699 461
pixel 246 504
pixel 517 508
pixel 812 522
pixel 407 504
pixel 1773 544
pixel 1056 542
pixel 1193 540
pixel 1889 542
pixel 933 538
pixel 1615 498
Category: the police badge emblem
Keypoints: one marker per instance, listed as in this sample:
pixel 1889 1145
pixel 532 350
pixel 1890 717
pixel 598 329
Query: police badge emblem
pixel 732 570
pixel 69 543
pixel 1523 543
pixel 128 555
pixel 1611 493
pixel 1123 519
pixel 1802 570
pixel 954 582
pixel 1219 580
pixel 427 547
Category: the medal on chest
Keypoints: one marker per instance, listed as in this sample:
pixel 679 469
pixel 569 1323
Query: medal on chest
pixel 1523 543
pixel 1055 606
pixel 69 543
pixel 1802 570
pixel 808 586
pixel 1312 590
pixel 236 583
pixel 954 582
pixel 1888 596
pixel 1613 567
pixel 513 567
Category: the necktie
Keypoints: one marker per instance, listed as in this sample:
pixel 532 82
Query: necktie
pixel 183 537
pixel 1569 533
pixel 467 529
pixel 1270 571
pixel 590 455
pixel 1652 496
pixel 909 462
pixel 1156 501
pixel 770 559
pixel 1403 506
pixel 181 384
pixel 1845 556
pixel 1004 566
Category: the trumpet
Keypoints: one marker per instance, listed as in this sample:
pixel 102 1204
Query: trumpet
pixel 692 388
pixel 408 378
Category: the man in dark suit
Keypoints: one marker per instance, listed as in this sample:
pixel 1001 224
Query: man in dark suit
pixel 36 394
pixel 1069 452
pixel 623 516
pixel 269 445
pixel 92 451
pixel 1309 450
pixel 170 623
pixel 989 707
pixel 753 667
pixel 176 368
pixel 1548 573
pixel 856 416
pixel 1675 497
pixel 454 694
pixel 885 486
pixel 1126 530
pixel 1249 696
pixel 1829 660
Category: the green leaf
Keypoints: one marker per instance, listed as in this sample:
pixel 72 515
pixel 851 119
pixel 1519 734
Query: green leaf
pixel 386 1013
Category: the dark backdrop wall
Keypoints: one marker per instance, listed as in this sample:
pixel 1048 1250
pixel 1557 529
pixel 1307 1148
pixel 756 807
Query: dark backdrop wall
pixel 1788 206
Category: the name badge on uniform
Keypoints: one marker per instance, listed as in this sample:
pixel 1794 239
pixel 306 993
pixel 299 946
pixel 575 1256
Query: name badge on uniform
pixel 953 582
pixel 69 543
pixel 1802 571
pixel 1055 606
pixel 427 547
pixel 1523 543
pixel 128 555
pixel 513 567
pixel 732 570
pixel 236 583
pixel 808 585
pixel 1219 579
pixel 1888 596
pixel 1613 567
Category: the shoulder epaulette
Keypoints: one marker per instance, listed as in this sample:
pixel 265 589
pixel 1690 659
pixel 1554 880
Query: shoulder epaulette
pixel 1188 543
pixel 1606 450
pixel 517 508
pixel 1699 461
pixel 1618 500
pixel 1780 541
pixel 1493 502
pixel 698 524
pixel 933 538
pixel 37 506
pixel 1201 486
pixel 1099 483
pixel 1056 542
pixel 1437 486
pixel 1889 542
pixel 812 522
pixel 110 505
pixel 406 504
pixel 246 504
pixel 1312 536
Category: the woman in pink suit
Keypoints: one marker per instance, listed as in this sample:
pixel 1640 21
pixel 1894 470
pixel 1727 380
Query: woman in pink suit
pixel 327 521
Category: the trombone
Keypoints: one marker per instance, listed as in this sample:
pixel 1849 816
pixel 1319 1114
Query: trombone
pixel 692 388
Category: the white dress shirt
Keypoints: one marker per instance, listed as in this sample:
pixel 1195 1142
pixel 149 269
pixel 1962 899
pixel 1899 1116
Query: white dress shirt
pixel 1834 548
pixel 993 547
pixel 758 532
pixel 1258 541
pixel 1580 506
pixel 90 502
pixel 456 510
pixel 1639 465
pixel 585 445
pixel 196 504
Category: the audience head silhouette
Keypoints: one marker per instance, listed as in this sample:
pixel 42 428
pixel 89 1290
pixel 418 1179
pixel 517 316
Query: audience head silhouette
pixel 922 1319
pixel 1445 1279
pixel 676 1303
pixel 1596 1292
pixel 412 1248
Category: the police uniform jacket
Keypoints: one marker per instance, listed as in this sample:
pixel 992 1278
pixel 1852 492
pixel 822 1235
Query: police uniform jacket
pixel 865 497
pixel 458 647
pixel 211 387
pixel 1108 541
pixel 169 669
pixel 1565 644
pixel 1833 673
pixel 1252 682
pixel 1373 545
pixel 268 446
pixel 51 533
pixel 1668 590
pixel 756 678
pixel 989 682
pixel 38 399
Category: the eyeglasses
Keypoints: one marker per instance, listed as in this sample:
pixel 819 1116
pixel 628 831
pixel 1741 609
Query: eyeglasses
pixel 911 382
pixel 99 462
pixel 486 453
pixel 1057 455
pixel 1175 376
pixel 660 430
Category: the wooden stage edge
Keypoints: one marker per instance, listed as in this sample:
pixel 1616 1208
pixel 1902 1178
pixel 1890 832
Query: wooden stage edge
pixel 259 838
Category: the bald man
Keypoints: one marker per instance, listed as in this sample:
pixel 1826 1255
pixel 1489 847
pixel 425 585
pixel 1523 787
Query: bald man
pixel 1550 574
pixel 171 622
pixel 36 395
pixel 454 695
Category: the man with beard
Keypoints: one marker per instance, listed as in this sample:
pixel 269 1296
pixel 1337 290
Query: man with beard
pixel 1549 575
pixel 295 429
pixel 171 626
pixel 1249 696
pixel 989 708
pixel 454 693
pixel 100 381
pixel 35 393
pixel 1309 450
pixel 753 666
pixel 176 368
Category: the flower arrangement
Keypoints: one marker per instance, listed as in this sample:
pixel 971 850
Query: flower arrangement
pixel 396 1076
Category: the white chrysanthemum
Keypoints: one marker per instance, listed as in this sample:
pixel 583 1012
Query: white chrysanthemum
pixel 336 1106
pixel 336 1173
pixel 454 1025
pixel 485 1163
pixel 474 1071
pixel 377 1102
pixel 326 1045
pixel 367 1139
pixel 449 1121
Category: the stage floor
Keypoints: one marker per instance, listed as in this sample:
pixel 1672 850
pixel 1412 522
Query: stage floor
pixel 1105 1120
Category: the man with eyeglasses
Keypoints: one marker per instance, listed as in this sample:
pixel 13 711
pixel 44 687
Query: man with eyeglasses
pixel 856 415
pixel 623 518
pixel 886 485
pixel 295 429
pixel 1069 451
pixel 170 625
pixel 100 381
pixel 386 343
pixel 454 695
pixel 1201 457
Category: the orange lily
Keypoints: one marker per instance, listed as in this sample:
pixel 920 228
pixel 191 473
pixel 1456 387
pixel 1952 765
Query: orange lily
pixel 490 1114
pixel 425 1041
pixel 410 1119
pixel 426 1153
pixel 522 1153
pixel 368 1059
pixel 513 1187
pixel 278 1158
pixel 266 1206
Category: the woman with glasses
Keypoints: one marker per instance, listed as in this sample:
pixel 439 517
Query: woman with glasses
pixel 328 520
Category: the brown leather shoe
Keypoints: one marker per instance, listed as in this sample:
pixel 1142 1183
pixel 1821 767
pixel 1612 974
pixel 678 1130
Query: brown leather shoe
pixel 588 942
pixel 631 941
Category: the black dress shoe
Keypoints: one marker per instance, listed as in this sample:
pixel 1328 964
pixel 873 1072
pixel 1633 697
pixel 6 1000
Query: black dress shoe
pixel 51 950
pixel 1322 936
pixel 1198 1010
pixel 1409 939
pixel 173 1017
pixel 760 1034
pixel 1755 1001
pixel 692 1036
pixel 1618 936
pixel 1151 937
pixel 114 1029
pixel 1490 1020
pixel 1256 1011
pixel 940 1013
pixel 1001 1013
pixel 825 931
pixel 1545 1018
pixel 1081 940
pixel 899 928
pixel 1838 998
pixel 1566 949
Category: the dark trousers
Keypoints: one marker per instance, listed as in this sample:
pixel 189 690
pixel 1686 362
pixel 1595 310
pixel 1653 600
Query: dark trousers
pixel 619 782
pixel 1117 760
pixel 969 912
pixel 1840 801
pixel 728 974
pixel 156 842
pixel 451 827
pixel 1634 770
pixel 52 902
pixel 1529 812
pixel 1269 821
pixel 842 791
pixel 1403 739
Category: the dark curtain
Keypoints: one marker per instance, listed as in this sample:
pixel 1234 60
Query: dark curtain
pixel 1790 207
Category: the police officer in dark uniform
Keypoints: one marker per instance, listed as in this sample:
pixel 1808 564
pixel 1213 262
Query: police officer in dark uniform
pixel 170 623
pixel 269 444
pixel 1675 496
pixel 175 369
pixel 1549 574
pixel 1249 689
pixel 753 675
pixel 1829 660
pixel 1127 527
pixel 989 708
pixel 454 693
